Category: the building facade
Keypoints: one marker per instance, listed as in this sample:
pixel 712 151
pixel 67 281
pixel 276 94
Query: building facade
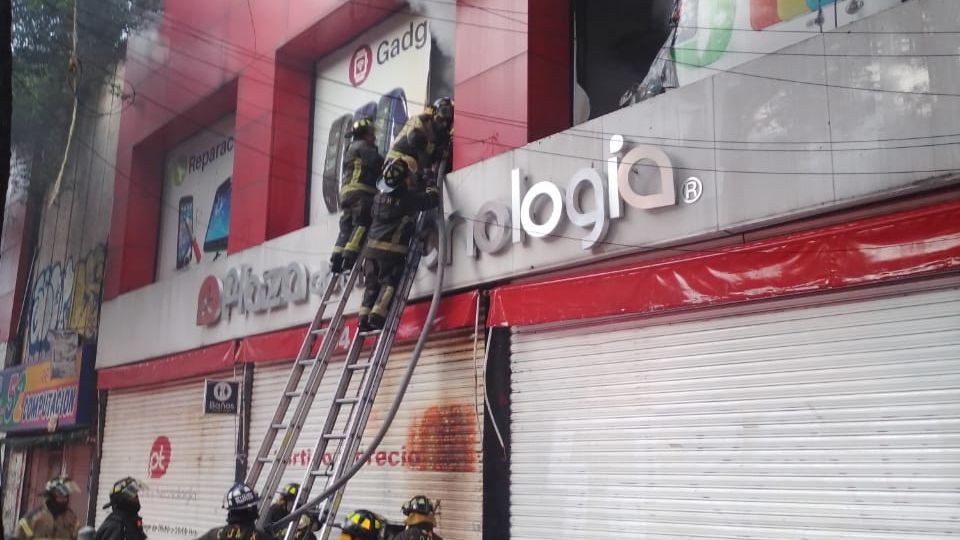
pixel 53 260
pixel 728 310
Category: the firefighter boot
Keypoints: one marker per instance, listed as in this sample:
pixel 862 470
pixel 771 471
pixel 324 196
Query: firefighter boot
pixel 377 316
pixel 336 263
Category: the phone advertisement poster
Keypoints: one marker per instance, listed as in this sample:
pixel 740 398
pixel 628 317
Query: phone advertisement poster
pixel 718 35
pixel 382 75
pixel 195 206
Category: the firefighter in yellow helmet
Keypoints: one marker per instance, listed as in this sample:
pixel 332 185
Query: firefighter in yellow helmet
pixel 361 169
pixel 281 506
pixel 53 520
pixel 362 525
pixel 420 520
pixel 124 521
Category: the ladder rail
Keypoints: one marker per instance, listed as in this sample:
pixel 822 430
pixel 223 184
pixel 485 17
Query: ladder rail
pixel 293 429
pixel 293 381
pixel 344 463
pixel 333 414
pixel 360 414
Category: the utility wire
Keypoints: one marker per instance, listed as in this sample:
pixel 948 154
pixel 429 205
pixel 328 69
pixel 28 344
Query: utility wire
pixel 586 157
pixel 75 86
pixel 578 239
pixel 523 124
pixel 591 135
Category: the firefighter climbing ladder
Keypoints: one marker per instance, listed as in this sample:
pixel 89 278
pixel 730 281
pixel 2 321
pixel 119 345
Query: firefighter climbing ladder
pixel 348 411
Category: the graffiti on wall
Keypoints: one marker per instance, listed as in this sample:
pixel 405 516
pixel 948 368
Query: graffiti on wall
pixel 64 301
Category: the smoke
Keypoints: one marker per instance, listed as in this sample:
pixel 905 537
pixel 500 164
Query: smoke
pixel 148 47
pixel 442 15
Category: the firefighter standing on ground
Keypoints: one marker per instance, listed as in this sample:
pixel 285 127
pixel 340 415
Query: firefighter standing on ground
pixel 361 169
pixel 282 505
pixel 53 519
pixel 124 521
pixel 361 525
pixel 420 520
pixel 241 503
pixel 281 508
pixel 417 152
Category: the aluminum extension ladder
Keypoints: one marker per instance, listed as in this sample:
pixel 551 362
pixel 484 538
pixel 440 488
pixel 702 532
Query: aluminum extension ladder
pixel 318 367
pixel 357 407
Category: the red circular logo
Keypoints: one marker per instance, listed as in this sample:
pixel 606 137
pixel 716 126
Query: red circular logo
pixel 159 457
pixel 360 65
pixel 208 301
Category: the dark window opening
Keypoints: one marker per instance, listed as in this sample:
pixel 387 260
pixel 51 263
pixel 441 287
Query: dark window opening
pixel 615 42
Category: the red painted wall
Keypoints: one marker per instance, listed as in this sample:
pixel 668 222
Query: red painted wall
pixel 217 56
pixel 512 75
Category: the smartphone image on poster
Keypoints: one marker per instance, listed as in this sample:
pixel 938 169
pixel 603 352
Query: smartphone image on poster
pixel 391 117
pixel 184 231
pixel 218 228
pixel 333 161
pixel 369 110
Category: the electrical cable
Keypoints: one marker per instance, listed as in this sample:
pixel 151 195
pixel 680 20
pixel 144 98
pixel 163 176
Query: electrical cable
pixel 75 86
pixel 551 235
pixel 714 170
pixel 476 377
pixel 486 396
pixel 573 131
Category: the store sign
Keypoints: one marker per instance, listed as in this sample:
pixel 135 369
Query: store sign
pixel 413 37
pixel 159 460
pixel 243 291
pixel 383 75
pixel 221 397
pixel 497 225
pixel 41 396
pixel 198 186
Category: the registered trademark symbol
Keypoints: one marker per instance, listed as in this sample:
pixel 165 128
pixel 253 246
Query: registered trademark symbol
pixel 692 190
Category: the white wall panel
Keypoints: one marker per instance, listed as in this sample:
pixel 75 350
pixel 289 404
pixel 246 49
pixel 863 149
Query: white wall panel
pixel 828 422
pixel 186 484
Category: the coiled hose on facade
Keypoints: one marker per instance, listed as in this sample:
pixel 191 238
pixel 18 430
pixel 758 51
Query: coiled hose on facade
pixel 415 357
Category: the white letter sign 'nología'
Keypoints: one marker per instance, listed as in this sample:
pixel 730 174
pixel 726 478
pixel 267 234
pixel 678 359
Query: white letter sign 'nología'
pixel 527 220
pixel 665 196
pixel 607 197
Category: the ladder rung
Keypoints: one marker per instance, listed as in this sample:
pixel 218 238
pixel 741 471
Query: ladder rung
pixel 334 436
pixel 370 332
pixel 324 472
pixel 278 426
pixel 347 401
pixel 306 362
pixel 265 459
pixel 359 365
pixel 292 394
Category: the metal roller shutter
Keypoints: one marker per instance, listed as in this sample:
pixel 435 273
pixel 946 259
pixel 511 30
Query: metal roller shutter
pixel 160 435
pixel 832 422
pixel 432 448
